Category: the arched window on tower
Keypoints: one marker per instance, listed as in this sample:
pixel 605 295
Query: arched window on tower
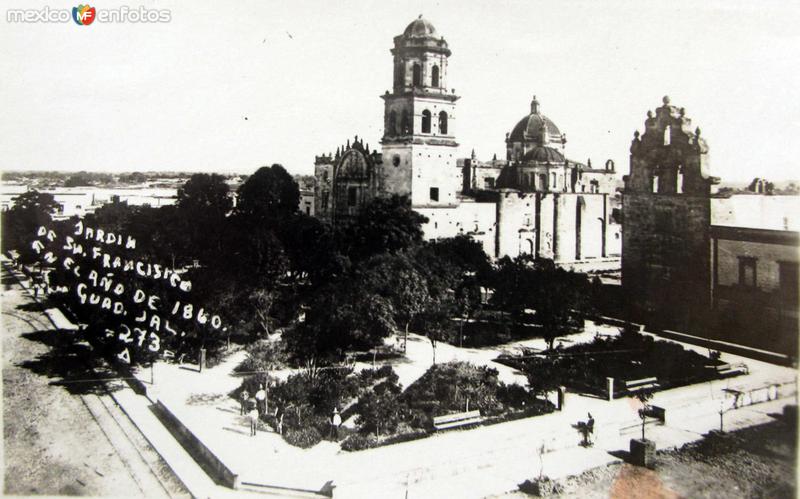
pixel 435 76
pixel 391 127
pixel 426 121
pixel 443 122
pixel 417 75
pixel 405 125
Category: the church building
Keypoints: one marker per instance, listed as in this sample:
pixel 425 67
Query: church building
pixel 535 201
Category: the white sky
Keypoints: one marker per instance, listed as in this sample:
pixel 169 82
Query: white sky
pixel 307 75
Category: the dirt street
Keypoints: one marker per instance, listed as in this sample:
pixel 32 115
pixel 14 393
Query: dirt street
pixel 61 438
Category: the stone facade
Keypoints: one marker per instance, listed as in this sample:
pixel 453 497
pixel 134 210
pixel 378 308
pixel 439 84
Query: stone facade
pixel 682 271
pixel 666 219
pixel 534 202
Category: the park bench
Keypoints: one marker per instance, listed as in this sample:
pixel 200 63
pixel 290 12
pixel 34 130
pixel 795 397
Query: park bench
pixel 458 419
pixel 638 385
pixel 724 370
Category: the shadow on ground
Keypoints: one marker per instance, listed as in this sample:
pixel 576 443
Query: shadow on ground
pixel 72 364
pixel 33 307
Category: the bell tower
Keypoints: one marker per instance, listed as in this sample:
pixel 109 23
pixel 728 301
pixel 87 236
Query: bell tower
pixel 418 144
pixel 666 217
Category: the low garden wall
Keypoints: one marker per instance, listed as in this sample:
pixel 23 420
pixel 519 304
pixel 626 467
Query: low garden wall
pixel 196 447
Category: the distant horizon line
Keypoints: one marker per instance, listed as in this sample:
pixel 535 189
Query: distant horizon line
pixel 311 174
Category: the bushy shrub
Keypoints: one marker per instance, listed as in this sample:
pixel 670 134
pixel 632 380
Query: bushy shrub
pixel 302 437
pixel 264 355
pixel 515 396
pixel 447 387
pixel 387 372
pixel 358 441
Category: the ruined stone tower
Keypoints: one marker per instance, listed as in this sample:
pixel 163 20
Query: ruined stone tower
pixel 666 219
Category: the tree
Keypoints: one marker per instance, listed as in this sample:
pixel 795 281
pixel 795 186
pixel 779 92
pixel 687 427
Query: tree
pixel 462 252
pixel 384 225
pixel 114 216
pixel 468 302
pixel 133 178
pixel 513 282
pixel 644 396
pixel 396 278
pixel 203 203
pixel 339 317
pixel 378 411
pixel 544 375
pixel 270 195
pixel 312 251
pixel 31 210
pixel 436 322
pixel 560 299
pixel 205 192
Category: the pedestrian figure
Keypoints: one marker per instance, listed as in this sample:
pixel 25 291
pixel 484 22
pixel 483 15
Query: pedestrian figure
pixel 336 421
pixel 261 400
pixel 590 429
pixel 253 414
pixel 243 398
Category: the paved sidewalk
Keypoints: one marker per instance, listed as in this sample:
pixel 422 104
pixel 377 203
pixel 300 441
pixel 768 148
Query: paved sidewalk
pixel 471 463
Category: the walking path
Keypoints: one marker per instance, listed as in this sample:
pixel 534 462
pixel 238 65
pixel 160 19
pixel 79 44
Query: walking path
pixel 470 463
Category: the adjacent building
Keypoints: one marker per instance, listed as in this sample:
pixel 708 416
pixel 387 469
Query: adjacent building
pixel 725 268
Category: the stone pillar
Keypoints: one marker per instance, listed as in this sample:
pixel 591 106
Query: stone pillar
pixel 610 388
pixel 643 452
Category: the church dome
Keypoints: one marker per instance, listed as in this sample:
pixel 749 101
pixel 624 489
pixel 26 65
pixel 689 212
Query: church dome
pixel 420 28
pixel 531 127
pixel 544 154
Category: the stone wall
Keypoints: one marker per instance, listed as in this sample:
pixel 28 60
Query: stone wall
pixel 665 256
pixel 471 218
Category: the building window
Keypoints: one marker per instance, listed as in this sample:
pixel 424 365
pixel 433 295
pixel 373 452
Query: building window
pixel 351 196
pixel 553 180
pixel 443 122
pixel 542 181
pixel 435 76
pixel 489 182
pixel 434 194
pixel 747 271
pixel 426 121
pixel 417 75
pixel 396 160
